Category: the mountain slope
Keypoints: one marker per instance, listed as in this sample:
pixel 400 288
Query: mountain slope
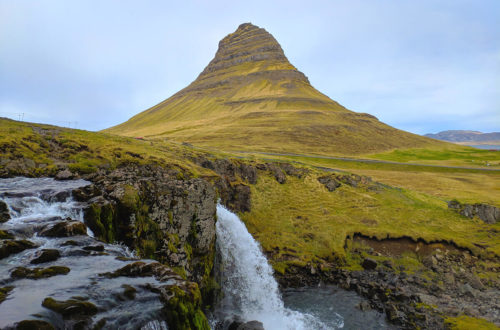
pixel 465 136
pixel 250 97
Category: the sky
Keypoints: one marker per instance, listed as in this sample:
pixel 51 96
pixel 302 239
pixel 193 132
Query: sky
pixel 422 66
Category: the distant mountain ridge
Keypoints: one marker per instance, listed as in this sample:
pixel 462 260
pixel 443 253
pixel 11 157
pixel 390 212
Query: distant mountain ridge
pixel 251 98
pixel 465 136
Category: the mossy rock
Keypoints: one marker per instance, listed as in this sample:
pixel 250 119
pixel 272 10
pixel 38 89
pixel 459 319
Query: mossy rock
pixel 8 247
pixel 37 273
pixel 5 235
pixel 34 324
pixel 4 212
pixel 70 307
pixel 46 255
pixel 65 229
pixel 129 291
pixel 183 307
pixel 4 292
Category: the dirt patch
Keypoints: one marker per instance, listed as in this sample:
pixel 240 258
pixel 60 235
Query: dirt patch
pixel 397 246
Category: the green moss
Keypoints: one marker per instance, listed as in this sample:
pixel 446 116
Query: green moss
pixel 467 323
pixel 37 273
pixel 183 309
pixel 4 292
pixel 70 307
pixel 5 235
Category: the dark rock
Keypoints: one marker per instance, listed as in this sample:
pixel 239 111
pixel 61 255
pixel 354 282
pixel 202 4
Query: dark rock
pixel 65 229
pixel 97 248
pixel 5 235
pixel 277 172
pixel 4 212
pixel 70 307
pixel 129 291
pixel 46 255
pixel 37 273
pixel 141 269
pixel 70 243
pixel 329 182
pixel 369 264
pixel 64 175
pixel 8 247
pixel 34 325
pixel 251 325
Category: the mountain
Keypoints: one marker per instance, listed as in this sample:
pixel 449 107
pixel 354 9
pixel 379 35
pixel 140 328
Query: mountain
pixel 465 136
pixel 250 97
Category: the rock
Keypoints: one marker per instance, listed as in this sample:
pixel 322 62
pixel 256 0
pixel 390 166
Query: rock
pixel 70 243
pixel 4 292
pixel 277 171
pixel 369 264
pixel 329 182
pixel 65 229
pixel 429 261
pixel 34 324
pixel 388 264
pixel 64 175
pixel 475 282
pixel 4 212
pixel 46 255
pixel 129 291
pixel 141 269
pixel 37 273
pixel 97 248
pixel 8 247
pixel 466 289
pixel 70 307
pixel 251 325
pixel 5 235
pixel 364 305
pixel 488 213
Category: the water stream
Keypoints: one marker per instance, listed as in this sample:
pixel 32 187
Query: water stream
pixel 249 290
pixel 36 203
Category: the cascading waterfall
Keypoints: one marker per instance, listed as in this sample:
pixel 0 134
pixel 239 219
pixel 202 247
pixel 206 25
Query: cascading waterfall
pixel 249 288
pixel 35 203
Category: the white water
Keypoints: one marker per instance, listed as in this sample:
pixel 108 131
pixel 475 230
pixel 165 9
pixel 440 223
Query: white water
pixel 37 203
pixel 249 288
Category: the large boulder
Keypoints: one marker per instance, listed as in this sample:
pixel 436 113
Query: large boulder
pixel 65 229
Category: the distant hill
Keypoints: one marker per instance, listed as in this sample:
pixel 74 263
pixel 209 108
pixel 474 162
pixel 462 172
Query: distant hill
pixel 466 136
pixel 250 97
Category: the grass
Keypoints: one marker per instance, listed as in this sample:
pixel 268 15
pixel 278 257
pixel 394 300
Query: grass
pixel 462 156
pixel 467 323
pixel 304 222
pixel 466 185
pixel 42 149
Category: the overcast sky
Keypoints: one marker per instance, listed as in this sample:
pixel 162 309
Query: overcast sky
pixel 422 66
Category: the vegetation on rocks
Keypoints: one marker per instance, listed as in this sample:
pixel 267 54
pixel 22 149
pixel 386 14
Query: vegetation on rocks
pixel 38 273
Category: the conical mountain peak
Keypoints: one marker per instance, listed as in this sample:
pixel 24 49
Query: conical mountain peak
pixel 249 52
pixel 250 97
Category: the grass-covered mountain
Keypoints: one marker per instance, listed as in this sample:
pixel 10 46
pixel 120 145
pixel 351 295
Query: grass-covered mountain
pixel 466 136
pixel 250 97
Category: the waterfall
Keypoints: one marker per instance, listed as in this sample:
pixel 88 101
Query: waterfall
pixel 249 288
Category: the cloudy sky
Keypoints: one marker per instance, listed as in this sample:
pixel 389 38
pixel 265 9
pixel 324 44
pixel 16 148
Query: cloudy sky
pixel 423 66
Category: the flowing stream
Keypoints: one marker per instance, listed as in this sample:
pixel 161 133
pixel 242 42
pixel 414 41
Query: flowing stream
pixel 36 203
pixel 249 290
